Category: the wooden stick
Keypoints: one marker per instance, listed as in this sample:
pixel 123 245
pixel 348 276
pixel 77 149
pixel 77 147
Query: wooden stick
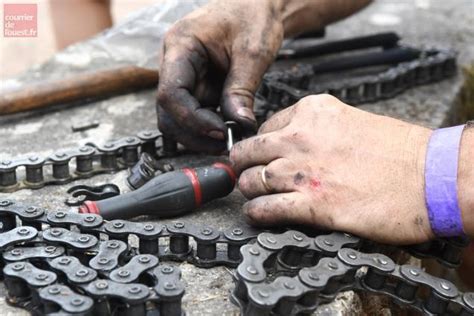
pixel 88 86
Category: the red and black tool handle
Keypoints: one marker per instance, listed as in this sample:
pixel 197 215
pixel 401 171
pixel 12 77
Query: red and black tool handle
pixel 169 194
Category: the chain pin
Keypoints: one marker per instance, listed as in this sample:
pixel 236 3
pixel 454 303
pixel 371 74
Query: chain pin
pixel 18 266
pixel 112 245
pixel 77 301
pixel 179 225
pixel 167 269
pixel 83 239
pixel 263 293
pixel 148 227
pixel 23 231
pixel 170 286
pixel 82 273
pixel 54 290
pixel 254 251
pixel 101 285
pixel 64 261
pixel 119 224
pixel 237 232
pixel 252 270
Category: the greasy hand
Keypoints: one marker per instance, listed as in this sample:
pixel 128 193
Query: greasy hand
pixel 216 56
pixel 333 166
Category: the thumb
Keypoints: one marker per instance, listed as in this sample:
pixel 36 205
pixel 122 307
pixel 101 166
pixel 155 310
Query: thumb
pixel 238 95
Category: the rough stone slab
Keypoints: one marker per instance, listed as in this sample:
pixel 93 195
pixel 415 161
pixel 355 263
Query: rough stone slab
pixel 440 23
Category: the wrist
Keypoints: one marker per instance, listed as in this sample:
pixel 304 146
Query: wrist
pixel 466 180
pixel 419 138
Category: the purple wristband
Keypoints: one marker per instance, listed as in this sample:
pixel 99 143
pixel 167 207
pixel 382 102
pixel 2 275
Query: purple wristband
pixel 441 174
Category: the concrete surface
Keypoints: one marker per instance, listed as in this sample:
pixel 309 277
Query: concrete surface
pixel 439 23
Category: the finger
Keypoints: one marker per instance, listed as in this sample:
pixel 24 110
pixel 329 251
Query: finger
pixel 190 140
pixel 254 151
pixel 180 71
pixel 278 121
pixel 277 209
pixel 243 80
pixel 277 175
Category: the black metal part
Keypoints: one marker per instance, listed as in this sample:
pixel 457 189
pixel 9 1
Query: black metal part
pixel 59 298
pixel 74 240
pixel 31 253
pixel 81 193
pixel 133 269
pixel 305 49
pixel 108 256
pixel 169 289
pixel 75 272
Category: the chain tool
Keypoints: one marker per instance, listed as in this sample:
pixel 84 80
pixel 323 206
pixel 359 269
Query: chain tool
pixel 66 262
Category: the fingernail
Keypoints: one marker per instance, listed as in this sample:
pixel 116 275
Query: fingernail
pixel 216 135
pixel 246 113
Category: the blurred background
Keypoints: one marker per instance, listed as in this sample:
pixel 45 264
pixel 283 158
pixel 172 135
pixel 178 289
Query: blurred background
pixel 58 27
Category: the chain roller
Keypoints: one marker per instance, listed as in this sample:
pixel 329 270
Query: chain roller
pixel 169 289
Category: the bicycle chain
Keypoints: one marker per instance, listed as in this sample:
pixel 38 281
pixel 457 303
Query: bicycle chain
pixel 94 266
pixel 88 258
pixel 64 166
pixel 309 271
pixel 280 89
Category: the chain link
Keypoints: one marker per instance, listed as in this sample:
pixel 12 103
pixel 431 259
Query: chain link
pixel 91 256
pixel 68 165
pixel 306 273
pixel 281 89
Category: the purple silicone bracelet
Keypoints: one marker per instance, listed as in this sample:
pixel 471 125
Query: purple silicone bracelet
pixel 441 174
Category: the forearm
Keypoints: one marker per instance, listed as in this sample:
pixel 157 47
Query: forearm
pixel 301 16
pixel 466 179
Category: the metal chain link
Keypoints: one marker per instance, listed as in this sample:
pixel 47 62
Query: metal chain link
pixel 67 165
pixel 281 89
pixel 89 257
pixel 306 273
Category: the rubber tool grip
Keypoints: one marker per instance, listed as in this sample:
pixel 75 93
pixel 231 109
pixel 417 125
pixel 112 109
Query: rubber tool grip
pixel 169 194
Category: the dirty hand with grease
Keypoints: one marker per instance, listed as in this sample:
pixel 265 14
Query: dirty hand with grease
pixel 326 164
pixel 217 55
